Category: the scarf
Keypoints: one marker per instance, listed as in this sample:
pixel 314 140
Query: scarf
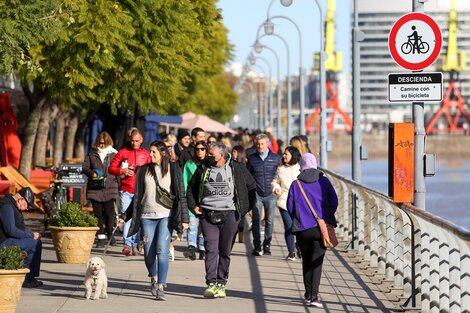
pixel 104 152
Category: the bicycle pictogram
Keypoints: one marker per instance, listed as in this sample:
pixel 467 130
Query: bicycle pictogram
pixel 414 43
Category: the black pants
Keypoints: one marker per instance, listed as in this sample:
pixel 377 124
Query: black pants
pixel 105 213
pixel 218 242
pixel 313 252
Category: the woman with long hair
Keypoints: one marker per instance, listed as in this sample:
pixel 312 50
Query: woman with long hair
pixel 159 207
pixel 95 167
pixel 200 152
pixel 286 173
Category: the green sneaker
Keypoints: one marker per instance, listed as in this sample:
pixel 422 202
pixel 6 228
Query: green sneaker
pixel 210 291
pixel 220 291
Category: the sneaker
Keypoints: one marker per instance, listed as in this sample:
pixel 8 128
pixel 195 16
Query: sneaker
pixel 220 291
pixel 315 303
pixel 126 251
pixel 32 283
pixel 190 253
pixel 153 288
pixel 291 256
pixel 101 243
pixel 161 294
pixel 135 251
pixel 210 291
pixel 297 251
pixel 202 255
pixel 267 250
pixel 257 252
pixel 112 242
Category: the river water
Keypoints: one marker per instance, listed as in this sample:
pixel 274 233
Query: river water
pixel 447 193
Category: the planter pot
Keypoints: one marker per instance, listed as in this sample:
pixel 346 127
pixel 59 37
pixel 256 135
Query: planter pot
pixel 10 288
pixel 73 244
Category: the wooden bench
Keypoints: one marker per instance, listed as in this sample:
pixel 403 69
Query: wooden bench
pixel 19 181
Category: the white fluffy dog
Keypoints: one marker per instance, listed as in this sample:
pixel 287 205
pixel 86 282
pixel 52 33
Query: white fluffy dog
pixel 95 277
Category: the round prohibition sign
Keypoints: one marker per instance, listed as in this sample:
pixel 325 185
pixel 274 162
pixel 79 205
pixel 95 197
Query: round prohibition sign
pixel 415 41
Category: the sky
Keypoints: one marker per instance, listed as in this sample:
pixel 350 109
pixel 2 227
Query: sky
pixel 243 17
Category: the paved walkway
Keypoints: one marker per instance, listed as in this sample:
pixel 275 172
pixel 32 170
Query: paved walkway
pixel 261 284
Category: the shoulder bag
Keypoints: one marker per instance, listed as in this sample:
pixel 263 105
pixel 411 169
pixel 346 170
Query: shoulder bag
pixel 164 196
pixel 327 230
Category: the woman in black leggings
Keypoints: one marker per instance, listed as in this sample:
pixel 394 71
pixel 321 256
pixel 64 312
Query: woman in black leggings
pixel 322 196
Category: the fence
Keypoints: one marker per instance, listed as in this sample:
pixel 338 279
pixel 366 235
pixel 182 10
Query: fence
pixel 421 260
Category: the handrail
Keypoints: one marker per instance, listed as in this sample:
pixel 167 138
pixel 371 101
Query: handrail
pixel 421 259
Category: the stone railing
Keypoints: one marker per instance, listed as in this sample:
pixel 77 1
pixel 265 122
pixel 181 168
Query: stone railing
pixel 421 260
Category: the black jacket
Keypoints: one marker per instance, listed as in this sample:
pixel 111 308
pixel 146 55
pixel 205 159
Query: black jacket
pixel 263 171
pixel 11 220
pixel 178 214
pixel 245 188
pixel 93 162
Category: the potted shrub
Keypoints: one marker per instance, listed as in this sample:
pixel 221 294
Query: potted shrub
pixel 73 233
pixel 12 274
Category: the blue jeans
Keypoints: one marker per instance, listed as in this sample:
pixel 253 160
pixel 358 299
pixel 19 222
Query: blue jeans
pixel 269 204
pixel 288 235
pixel 34 250
pixel 192 234
pixel 157 237
pixel 126 199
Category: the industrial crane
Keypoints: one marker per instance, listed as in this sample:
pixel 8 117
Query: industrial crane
pixel 333 65
pixel 453 62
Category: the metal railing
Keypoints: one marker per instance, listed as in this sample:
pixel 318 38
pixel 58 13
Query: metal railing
pixel 421 260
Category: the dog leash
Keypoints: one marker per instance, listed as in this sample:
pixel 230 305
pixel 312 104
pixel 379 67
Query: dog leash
pixel 109 241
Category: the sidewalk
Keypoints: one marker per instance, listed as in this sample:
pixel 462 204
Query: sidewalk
pixel 261 284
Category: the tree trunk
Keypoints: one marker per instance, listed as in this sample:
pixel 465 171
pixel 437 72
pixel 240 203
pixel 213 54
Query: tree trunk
pixel 70 135
pixel 29 136
pixel 40 145
pixel 80 137
pixel 62 116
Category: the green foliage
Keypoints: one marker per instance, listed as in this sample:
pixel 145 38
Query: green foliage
pixel 11 258
pixel 71 215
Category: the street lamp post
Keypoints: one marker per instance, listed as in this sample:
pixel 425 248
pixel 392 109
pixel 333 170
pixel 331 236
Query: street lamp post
pixel 270 108
pixel 323 131
pixel 269 30
pixel 258 49
pixel 278 123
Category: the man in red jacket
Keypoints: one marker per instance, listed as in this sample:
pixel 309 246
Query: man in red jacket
pixel 124 165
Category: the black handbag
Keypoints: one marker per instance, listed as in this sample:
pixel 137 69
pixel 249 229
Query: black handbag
pixel 216 217
pixel 96 183
pixel 165 197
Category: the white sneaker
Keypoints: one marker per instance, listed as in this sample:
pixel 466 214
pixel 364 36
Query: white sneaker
pixel 315 303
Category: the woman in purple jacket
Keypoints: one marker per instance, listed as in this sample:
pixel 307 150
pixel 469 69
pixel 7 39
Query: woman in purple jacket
pixel 323 198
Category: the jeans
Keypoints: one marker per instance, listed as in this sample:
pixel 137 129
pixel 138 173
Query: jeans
pixel 157 237
pixel 34 250
pixel 219 243
pixel 269 204
pixel 288 235
pixel 126 199
pixel 193 234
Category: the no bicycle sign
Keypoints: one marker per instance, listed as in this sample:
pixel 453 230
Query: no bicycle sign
pixel 415 41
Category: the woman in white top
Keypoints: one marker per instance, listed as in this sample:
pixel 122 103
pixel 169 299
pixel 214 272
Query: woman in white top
pixel 286 173
pixel 156 214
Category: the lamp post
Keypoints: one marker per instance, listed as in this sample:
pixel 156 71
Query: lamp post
pixel 323 132
pixel 269 30
pixel 265 113
pixel 251 105
pixel 264 101
pixel 258 48
pixel 278 127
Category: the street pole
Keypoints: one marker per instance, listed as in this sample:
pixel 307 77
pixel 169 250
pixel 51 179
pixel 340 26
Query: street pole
pixel 270 107
pixel 420 139
pixel 357 37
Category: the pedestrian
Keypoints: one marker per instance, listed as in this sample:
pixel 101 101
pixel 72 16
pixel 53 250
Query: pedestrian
pixel 262 164
pixel 324 200
pixel 124 165
pixel 211 139
pixel 238 155
pixel 286 173
pixel 13 232
pixel 300 144
pixel 158 209
pixel 102 189
pixel 220 193
pixel 195 238
pixel 182 147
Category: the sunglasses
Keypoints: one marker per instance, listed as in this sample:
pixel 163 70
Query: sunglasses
pixel 101 142
pixel 200 149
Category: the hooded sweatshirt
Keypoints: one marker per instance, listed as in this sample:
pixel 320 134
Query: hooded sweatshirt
pixel 322 196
